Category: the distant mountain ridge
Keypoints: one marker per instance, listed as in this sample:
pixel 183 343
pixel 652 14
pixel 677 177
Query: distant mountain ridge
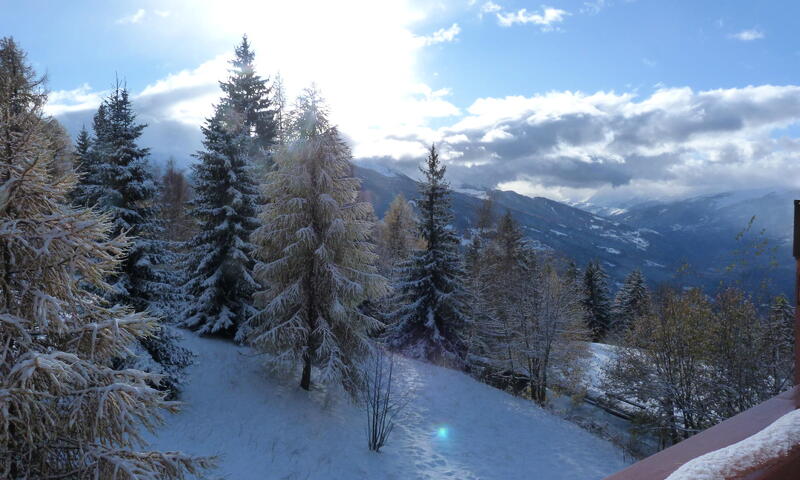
pixel 658 237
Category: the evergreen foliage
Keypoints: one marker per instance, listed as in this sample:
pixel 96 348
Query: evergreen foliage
pixel 631 302
pixel 430 318
pixel 250 109
pixel 219 271
pixel 596 300
pixel 117 179
pixel 238 140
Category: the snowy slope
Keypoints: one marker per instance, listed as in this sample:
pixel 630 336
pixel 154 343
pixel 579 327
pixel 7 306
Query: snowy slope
pixel 455 428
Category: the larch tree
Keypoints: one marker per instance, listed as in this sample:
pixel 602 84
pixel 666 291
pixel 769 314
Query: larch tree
pixel 430 319
pixel 315 257
pixel 219 282
pixel 507 280
pixel 280 109
pixel 64 412
pixel 631 302
pixel 398 233
pixel 596 300
pixel 175 195
pixel 552 334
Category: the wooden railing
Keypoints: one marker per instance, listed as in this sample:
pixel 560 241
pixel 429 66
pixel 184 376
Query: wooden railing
pixel 740 427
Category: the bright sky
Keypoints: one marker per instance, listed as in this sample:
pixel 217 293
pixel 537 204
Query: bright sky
pixel 571 99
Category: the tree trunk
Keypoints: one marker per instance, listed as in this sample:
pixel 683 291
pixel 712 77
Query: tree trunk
pixel 305 381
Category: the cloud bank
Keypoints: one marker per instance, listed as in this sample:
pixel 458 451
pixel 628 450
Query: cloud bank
pixel 606 146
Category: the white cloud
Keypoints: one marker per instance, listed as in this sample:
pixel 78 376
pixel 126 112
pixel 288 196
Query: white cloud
pixel 133 18
pixel 456 139
pixel 496 134
pixel 489 7
pixel 546 19
pixel 81 98
pixel 367 71
pixel 748 35
pixel 675 142
pixel 162 13
pixel 443 35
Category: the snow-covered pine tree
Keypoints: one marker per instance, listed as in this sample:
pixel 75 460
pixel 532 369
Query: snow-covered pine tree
pixel 247 95
pixel 315 256
pixel 121 182
pixel 631 302
pixel 219 270
pixel 90 153
pixel 64 413
pixel 596 300
pixel 128 192
pixel 430 317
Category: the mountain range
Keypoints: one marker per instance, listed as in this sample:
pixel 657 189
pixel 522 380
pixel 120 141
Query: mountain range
pixel 741 238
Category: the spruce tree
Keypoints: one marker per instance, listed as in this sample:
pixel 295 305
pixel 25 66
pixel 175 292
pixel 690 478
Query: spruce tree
pixel 119 181
pixel 430 318
pixel 65 413
pixel 596 300
pixel 631 302
pixel 247 95
pixel 91 153
pixel 128 192
pixel 83 145
pixel 315 257
pixel 219 270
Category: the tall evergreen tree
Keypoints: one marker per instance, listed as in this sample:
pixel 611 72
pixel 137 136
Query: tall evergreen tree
pixel 596 300
pixel 430 318
pixel 128 192
pixel 83 145
pixel 248 96
pixel 91 153
pixel 631 302
pixel 316 259
pixel 118 180
pixel 65 413
pixel 219 271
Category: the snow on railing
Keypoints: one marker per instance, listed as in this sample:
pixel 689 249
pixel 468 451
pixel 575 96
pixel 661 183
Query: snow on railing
pixel 770 444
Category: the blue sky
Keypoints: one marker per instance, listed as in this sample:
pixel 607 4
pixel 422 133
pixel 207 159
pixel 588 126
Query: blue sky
pixel 574 100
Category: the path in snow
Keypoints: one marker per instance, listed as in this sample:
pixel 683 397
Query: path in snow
pixel 455 428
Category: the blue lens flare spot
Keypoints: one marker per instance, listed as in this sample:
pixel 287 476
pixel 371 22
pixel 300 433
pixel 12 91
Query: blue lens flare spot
pixel 442 433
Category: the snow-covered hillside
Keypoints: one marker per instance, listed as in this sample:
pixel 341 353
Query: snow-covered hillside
pixel 455 427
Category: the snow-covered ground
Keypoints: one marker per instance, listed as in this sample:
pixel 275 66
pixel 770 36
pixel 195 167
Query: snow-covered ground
pixel 455 427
